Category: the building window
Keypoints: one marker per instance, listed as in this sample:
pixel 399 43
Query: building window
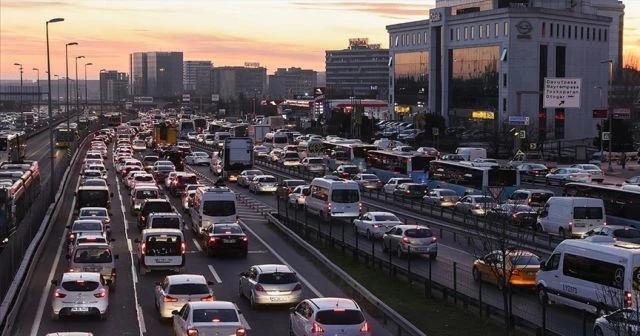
pixel 605 35
pixel 582 33
pixel 551 30
pixel 543 30
pixel 593 34
pixel 466 33
pixel 496 33
pixel 504 105
pixel 426 38
pixel 419 38
pixel 487 30
pixel 569 31
pixel 504 80
pixel 451 33
pixel 481 31
pixel 588 33
pixel 396 42
pixel 563 30
pixel 457 34
pixel 575 32
pixel 506 28
pixel 599 34
pixel 473 32
pixel 413 38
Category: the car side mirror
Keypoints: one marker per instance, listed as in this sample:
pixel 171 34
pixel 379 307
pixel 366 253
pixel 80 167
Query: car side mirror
pixel 175 312
pixel 292 310
pixel 54 282
pixel 137 241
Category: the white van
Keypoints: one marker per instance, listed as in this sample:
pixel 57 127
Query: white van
pixel 165 220
pixel 94 257
pixel 594 274
pixel 161 249
pixel 212 205
pixel 331 198
pixel 141 193
pixel 571 216
pixel 471 153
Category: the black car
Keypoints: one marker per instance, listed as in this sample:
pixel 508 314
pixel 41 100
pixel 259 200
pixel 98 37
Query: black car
pixel 230 238
pixel 411 190
pixel 529 171
pixel 152 205
pixel 176 157
pixel 514 214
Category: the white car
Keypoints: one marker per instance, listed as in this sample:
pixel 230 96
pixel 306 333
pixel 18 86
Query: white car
pixel 175 290
pixel 263 184
pixel 247 175
pixel 299 195
pixel 197 158
pixel 621 322
pixel 208 318
pixel 97 213
pixel 328 316
pixel 595 171
pixel 80 293
pixel 374 224
pixel 139 146
pixel 563 175
pixel 270 284
pixel 261 151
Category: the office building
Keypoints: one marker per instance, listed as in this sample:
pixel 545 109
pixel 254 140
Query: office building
pixel 477 63
pixel 156 74
pixel 292 82
pixel 360 71
pixel 231 82
pixel 114 86
pixel 197 78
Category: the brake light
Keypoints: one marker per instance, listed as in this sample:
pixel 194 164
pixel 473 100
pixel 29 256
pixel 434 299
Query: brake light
pixel 316 328
pixel 72 236
pixel 168 298
pixel 570 226
pixel 101 293
pixel 144 248
pixel 434 239
pixel 442 198
pixel 477 206
pixel 183 248
pixel 360 206
pixel 241 332
pixel 377 225
pixel 365 327
pixel 192 332
pixel 628 299
pixel 207 298
pixel 244 238
pixel 58 294
pixel 405 240
pixel 329 206
pixel 515 272
pixel 297 287
pixel 113 272
pixel 212 239
pixel 259 288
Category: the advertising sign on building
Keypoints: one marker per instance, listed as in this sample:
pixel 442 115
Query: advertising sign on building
pixel 186 98
pixel 562 92
pixel 622 113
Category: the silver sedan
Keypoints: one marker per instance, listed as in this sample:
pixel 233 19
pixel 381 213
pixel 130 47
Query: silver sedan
pixel 374 224
pixel 247 175
pixel 270 284
pixel 197 158
pixel 410 239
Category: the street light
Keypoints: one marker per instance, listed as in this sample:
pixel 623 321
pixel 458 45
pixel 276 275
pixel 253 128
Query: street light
pixel 66 55
pixel 58 91
pixel 20 106
pixel 77 90
pixel 100 85
pixel 38 81
pixel 52 189
pixel 602 122
pixel 86 90
pixel 609 113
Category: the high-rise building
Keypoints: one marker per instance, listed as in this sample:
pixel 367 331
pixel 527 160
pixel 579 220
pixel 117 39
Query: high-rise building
pixel 156 74
pixel 232 81
pixel 114 86
pixel 360 71
pixel 197 78
pixel 287 83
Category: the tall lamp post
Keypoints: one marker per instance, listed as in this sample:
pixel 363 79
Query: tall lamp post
pixel 20 106
pixel 100 85
pixel 38 81
pixel 609 112
pixel 66 55
pixel 77 89
pixel 52 189
pixel 57 91
pixel 86 89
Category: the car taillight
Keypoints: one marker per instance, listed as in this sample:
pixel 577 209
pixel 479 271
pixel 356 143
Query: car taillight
pixel 628 299
pixel 241 332
pixel 183 248
pixel 442 198
pixel 316 328
pixel 71 236
pixel 360 206
pixel 434 239
pixel 168 298
pixel 570 226
pixel 192 332
pixel 405 240
pixel 329 206
pixel 101 293
pixel 477 206
pixel 515 272
pixel 259 288
pixel 297 287
pixel 58 294
pixel 207 298
pixel 113 272
pixel 144 248
pixel 212 239
pixel 244 239
pixel 365 327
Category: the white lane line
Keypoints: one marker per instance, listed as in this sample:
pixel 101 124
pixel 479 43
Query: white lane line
pixel 306 283
pixel 141 325
pixel 215 274
pixel 244 322
pixel 195 242
pixel 47 286
pixel 257 252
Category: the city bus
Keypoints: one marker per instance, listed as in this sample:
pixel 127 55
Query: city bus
pixel 621 206
pixel 113 119
pixel 13 146
pixel 387 164
pixel 65 136
pixel 467 179
pixel 19 188
pixel 346 151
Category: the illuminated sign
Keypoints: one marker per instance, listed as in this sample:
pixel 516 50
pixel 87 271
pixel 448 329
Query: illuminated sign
pixel 483 115
pixel 402 109
pixel 251 64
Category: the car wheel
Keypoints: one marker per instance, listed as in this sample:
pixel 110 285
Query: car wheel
pixel 433 256
pixel 355 230
pixel 399 253
pixel 253 302
pixel 562 232
pixel 240 295
pixel 597 331
pixel 369 235
pixel 476 275
pixel 103 317
pixel 543 298
pixel 209 251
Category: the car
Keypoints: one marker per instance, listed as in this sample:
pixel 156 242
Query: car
pixel 410 239
pixel 442 197
pixel 275 154
pixel 263 184
pixel 94 182
pixel 394 182
pixel 286 187
pixel 618 232
pixel 369 182
pixel 290 159
pixel 514 214
pixel 328 316
pixel 313 165
pixel 535 198
pixel 150 205
pixel 84 226
pixel 270 284
pixel 228 237
pixel 475 204
pixel 520 266
pixel 97 213
pixel 346 171
pixel 91 237
pixel 139 146
pixel 634 180
pixel 148 161
pixel 192 136
pixel 595 171
pixel 197 158
pixel 208 318
pixel 160 173
pixel 299 195
pixel 624 321
pixel 561 176
pixel 140 178
pixel 174 291
pixel 245 177
pixel 531 171
pixel 375 223
pixel 187 200
pixel 80 293
pixel 261 151
pixel 411 191
pixel 429 151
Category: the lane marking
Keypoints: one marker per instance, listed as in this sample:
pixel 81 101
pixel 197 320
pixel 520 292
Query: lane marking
pixel 195 242
pixel 244 322
pixel 257 251
pixel 303 279
pixel 215 275
pixel 47 287
pixel 141 325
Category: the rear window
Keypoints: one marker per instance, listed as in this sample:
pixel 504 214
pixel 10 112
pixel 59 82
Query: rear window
pixel 587 213
pixel 93 212
pixel 277 278
pixel 166 223
pixel 87 226
pixel 187 179
pixel 188 288
pixel 541 198
pixel 385 218
pixel 316 160
pixel 94 173
pixel 157 207
pixel 144 178
pixel 219 208
pixel 370 177
pixel 418 233
pixel 447 193
pixel 144 194
pixel 150 159
pixel 626 233
pixel 351 170
pixel 339 317
pixel 215 315
pixel 345 196
pixel 92 255
pixel 267 179
pixel 80 286
pixel 524 260
pixel 226 229
pixel 417 187
pixel 483 200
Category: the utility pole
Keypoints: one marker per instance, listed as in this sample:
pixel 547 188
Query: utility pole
pixel 38 82
pixel 20 106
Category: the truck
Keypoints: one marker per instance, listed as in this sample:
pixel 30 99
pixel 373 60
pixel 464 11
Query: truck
pixel 275 122
pixel 257 132
pixel 165 133
pixel 236 156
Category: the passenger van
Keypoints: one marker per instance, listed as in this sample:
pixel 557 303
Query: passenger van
pixel 331 198
pixel 94 257
pixel 471 153
pixel 571 216
pixel 596 274
pixel 165 220
pixel 161 249
pixel 212 205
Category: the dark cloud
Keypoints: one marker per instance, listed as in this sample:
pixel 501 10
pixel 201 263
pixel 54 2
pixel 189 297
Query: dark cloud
pixel 385 9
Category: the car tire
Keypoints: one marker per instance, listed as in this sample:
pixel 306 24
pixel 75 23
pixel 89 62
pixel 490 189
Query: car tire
pixel 240 295
pixel 541 292
pixel 252 302
pixel 103 317
pixel 477 276
pixel 399 252
pixel 209 251
pixel 562 232
pixel 433 256
pixel 369 235
pixel 141 269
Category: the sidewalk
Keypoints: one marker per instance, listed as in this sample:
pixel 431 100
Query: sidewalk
pixel 629 170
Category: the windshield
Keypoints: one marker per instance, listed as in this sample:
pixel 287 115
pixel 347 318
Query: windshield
pixel 93 212
pixel 345 196
pixel 226 229
pixel 447 193
pixel 93 255
pixel 150 207
pixel 370 177
pixel 351 169
pixel 418 233
pixel 339 317
pixel 386 218
pixel 144 194
pixel 188 289
pixel 166 223
pixel 318 160
pixel 219 208
pixel 277 278
pixel 215 315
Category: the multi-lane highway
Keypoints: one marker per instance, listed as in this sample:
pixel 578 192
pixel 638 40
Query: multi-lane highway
pixel 132 309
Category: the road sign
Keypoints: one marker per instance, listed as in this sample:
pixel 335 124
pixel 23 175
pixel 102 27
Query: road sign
pixel 518 121
pixel 186 98
pixel 215 97
pixel 533 146
pixel 606 136
pixel 562 92
pixel 600 114
pixel 621 113
pixel 435 131
pixel 522 134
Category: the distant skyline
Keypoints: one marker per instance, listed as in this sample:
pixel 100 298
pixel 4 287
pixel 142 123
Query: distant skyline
pixel 275 33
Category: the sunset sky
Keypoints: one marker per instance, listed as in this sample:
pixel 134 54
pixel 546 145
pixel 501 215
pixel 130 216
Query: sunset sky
pixel 275 33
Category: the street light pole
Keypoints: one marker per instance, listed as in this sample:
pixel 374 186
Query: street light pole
pixel 601 122
pixel 20 106
pixel 77 90
pixel 38 81
pixel 52 187
pixel 609 112
pixel 68 107
pixel 57 91
pixel 100 85
pixel 86 89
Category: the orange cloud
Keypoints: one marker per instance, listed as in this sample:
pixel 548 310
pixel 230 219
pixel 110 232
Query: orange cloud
pixel 385 9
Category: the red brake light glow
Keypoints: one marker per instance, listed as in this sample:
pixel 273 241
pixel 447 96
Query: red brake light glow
pixel 365 327
pixel 58 294
pixel 168 298
pixel 316 328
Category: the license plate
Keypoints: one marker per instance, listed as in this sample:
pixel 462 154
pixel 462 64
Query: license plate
pixel 163 260
pixel 229 241
pixel 277 299
pixel 92 269
pixel 579 225
pixel 80 309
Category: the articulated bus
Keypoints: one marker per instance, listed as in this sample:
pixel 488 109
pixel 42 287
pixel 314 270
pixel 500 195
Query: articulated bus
pixel 621 206
pixel 65 136
pixel 467 179
pixel 387 164
pixel 13 146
